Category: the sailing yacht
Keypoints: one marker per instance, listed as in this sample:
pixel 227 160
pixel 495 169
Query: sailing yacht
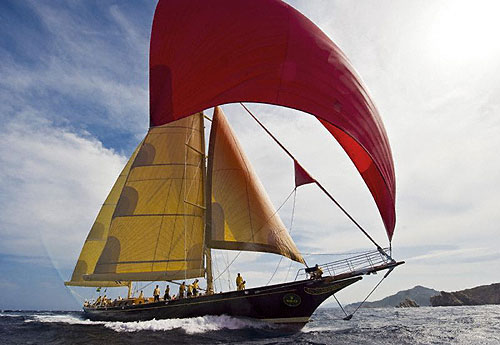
pixel 175 200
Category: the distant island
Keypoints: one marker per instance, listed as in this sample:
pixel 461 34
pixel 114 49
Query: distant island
pixel 419 294
pixel 484 294
pixel 422 296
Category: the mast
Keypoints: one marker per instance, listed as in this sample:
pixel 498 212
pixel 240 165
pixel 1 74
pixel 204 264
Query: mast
pixel 210 277
pixel 207 213
pixel 129 292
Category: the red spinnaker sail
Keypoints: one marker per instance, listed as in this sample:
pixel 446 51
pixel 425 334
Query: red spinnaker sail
pixel 208 53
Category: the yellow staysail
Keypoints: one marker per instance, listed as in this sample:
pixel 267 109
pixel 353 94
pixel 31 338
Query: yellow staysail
pixel 241 216
pixel 157 227
pixel 96 239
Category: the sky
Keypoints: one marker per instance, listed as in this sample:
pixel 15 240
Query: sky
pixel 74 104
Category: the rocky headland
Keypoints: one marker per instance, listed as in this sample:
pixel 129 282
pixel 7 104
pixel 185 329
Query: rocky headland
pixel 407 303
pixel 484 294
pixel 419 295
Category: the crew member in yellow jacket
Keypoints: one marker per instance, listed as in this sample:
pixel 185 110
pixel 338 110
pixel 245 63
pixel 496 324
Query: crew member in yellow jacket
pixel 166 296
pixel 239 281
pixel 156 294
pixel 182 289
pixel 195 287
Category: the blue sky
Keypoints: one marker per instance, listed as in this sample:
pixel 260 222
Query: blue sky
pixel 74 104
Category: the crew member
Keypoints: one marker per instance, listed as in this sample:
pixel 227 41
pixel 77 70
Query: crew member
pixel 195 287
pixel 317 272
pixel 156 294
pixel 190 290
pixel 182 289
pixel 166 296
pixel 239 280
pixel 98 301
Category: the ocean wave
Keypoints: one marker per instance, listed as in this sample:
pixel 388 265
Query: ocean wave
pixel 193 325
pixel 10 315
pixel 309 329
pixel 326 328
pixel 69 319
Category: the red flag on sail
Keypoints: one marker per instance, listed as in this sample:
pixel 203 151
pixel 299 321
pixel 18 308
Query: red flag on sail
pixel 301 175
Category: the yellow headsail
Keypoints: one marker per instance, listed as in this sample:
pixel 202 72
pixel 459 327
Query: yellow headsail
pixel 241 216
pixel 157 226
pixel 96 239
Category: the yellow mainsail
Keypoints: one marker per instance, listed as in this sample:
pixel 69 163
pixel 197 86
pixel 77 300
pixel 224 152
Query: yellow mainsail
pixel 96 239
pixel 241 216
pixel 157 228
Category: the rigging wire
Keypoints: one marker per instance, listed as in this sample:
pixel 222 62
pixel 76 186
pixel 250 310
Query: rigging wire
pixel 227 267
pixel 276 270
pixel 291 225
pixel 348 317
pixel 379 248
pixel 145 286
pixel 217 270
pixel 290 232
pixel 275 212
pixel 341 307
pixel 335 254
pixel 229 286
pixel 184 186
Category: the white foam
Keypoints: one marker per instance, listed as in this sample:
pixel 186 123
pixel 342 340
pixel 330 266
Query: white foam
pixel 9 315
pixel 315 329
pixel 320 329
pixel 190 326
pixel 69 319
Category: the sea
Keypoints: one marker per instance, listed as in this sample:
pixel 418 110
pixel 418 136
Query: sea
pixel 424 325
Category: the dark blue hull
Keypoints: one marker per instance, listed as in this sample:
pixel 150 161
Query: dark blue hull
pixel 288 303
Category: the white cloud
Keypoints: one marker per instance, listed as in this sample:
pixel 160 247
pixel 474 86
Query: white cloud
pixel 53 183
pixel 460 255
pixel 87 63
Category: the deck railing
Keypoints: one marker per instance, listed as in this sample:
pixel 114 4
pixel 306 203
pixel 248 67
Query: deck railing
pixel 357 263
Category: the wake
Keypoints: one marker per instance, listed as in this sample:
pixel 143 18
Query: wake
pixel 193 325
